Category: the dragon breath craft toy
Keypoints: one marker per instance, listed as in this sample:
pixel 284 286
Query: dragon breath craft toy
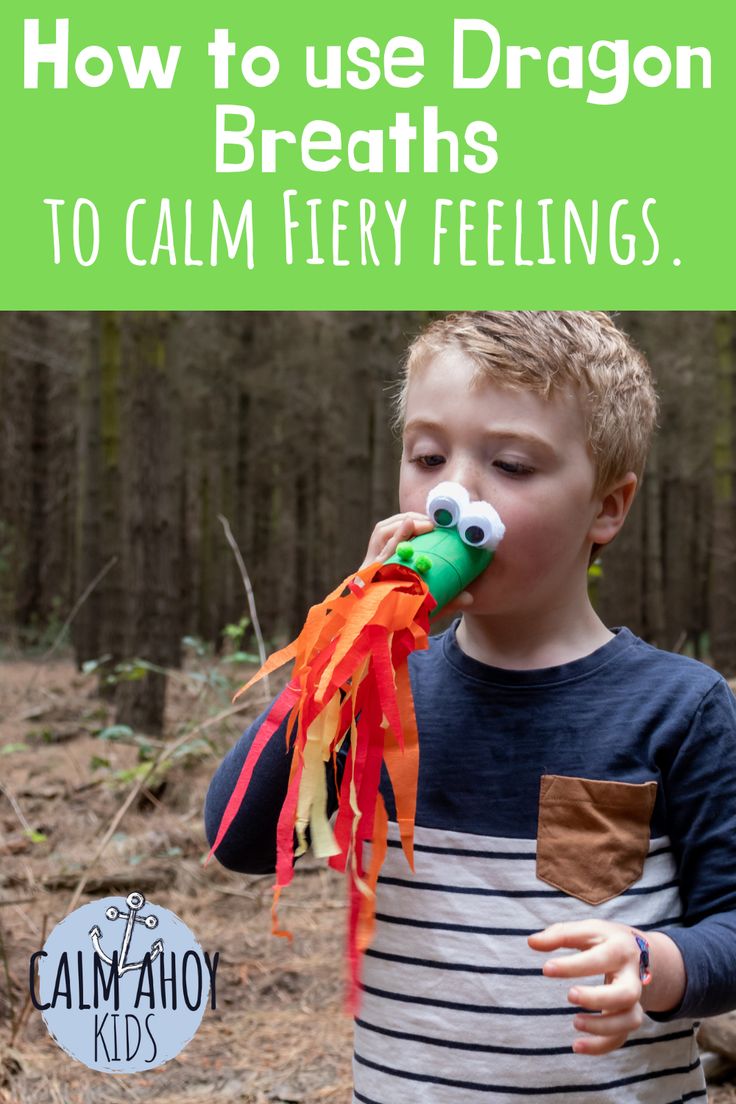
pixel 351 679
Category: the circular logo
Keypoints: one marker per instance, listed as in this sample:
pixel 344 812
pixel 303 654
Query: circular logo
pixel 122 985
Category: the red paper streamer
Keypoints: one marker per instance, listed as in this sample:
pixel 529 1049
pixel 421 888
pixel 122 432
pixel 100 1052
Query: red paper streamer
pixel 354 644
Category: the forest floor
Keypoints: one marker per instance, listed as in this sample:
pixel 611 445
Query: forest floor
pixel 279 1033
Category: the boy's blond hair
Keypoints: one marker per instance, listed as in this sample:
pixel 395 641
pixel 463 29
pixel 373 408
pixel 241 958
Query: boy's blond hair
pixel 541 351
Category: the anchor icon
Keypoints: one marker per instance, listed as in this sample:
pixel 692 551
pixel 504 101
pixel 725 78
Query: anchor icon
pixel 135 902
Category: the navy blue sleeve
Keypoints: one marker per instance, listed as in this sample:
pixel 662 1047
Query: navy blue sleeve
pixel 249 846
pixel 700 790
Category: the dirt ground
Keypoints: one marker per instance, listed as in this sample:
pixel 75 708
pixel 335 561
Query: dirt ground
pixel 279 1033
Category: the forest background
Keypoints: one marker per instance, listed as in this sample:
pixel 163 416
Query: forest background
pixel 125 439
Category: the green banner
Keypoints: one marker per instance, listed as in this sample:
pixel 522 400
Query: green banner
pixel 390 157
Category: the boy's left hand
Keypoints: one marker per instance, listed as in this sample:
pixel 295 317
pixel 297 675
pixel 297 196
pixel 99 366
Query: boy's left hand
pixel 607 948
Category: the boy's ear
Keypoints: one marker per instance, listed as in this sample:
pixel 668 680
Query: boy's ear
pixel 613 507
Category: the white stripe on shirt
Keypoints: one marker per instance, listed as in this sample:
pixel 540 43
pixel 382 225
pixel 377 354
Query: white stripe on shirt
pixel 455 1008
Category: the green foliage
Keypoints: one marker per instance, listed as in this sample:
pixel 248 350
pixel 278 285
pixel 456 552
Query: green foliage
pixel 241 657
pixel 132 774
pixel 233 633
pixel 187 754
pixel 124 734
pixel 41 735
pixel 121 733
pixel 698 648
pixel 92 665
pixel 133 670
pixel 204 671
pixel 8 749
pixel 233 636
pixel 98 713
pixel 595 574
pixel 197 748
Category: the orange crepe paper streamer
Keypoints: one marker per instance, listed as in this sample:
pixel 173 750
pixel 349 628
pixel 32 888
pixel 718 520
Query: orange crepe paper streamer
pixel 350 675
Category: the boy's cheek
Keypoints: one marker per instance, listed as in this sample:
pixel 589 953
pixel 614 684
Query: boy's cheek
pixel 412 495
pixel 541 528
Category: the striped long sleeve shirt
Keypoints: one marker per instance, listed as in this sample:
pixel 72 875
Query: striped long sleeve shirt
pixel 601 788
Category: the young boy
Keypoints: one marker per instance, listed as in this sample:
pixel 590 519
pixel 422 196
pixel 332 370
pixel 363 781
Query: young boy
pixel 577 787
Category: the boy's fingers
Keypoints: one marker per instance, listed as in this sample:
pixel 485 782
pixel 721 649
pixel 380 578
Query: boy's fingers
pixel 599 960
pixel 408 526
pixel 585 1045
pixel 606 1032
pixel 578 934
pixel 403 516
pixel 387 535
pixel 616 997
pixel 391 524
pixel 405 529
pixel 614 1024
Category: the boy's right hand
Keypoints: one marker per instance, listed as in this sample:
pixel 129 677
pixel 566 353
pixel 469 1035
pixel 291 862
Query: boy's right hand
pixel 389 533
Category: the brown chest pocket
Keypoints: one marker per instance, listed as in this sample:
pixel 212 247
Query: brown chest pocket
pixel 593 835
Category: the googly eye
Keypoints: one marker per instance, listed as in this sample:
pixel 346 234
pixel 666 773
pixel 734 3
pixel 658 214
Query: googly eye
pixel 480 526
pixel 446 502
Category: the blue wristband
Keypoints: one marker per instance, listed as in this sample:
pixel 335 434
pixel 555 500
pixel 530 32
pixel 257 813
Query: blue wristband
pixel 645 974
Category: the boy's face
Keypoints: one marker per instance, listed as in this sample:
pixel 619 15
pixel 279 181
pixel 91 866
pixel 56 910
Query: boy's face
pixel 526 455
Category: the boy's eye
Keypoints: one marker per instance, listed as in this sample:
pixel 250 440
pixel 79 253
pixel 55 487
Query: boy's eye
pixel 430 461
pixel 513 467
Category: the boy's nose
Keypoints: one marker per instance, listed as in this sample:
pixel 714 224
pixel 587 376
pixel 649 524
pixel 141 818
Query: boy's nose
pixel 467 476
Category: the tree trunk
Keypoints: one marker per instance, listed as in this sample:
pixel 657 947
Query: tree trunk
pixel 723 561
pixel 151 512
